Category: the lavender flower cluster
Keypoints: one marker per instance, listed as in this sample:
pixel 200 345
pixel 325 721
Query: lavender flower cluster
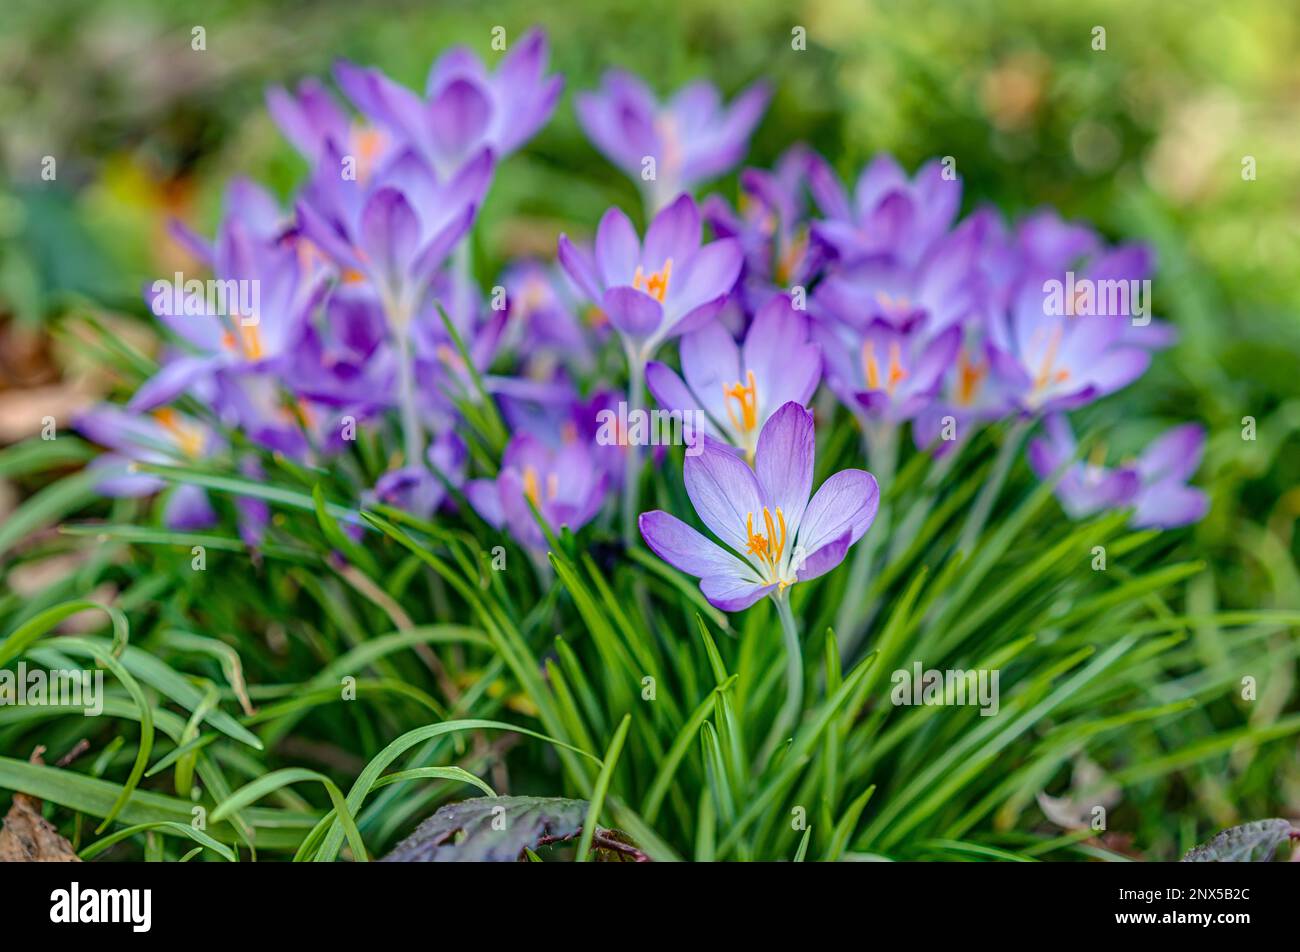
pixel 368 315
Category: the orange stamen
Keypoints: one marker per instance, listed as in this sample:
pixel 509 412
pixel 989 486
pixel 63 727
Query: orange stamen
pixel 656 283
pixel 188 438
pixel 970 377
pixel 768 548
pixel 746 395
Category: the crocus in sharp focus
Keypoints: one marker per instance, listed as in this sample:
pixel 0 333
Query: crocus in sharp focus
pixel 1154 485
pixel 735 390
pixel 564 483
pixel 691 138
pixel 650 291
pixel 772 534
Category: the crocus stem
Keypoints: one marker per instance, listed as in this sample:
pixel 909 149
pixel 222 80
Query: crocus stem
pixel 881 444
pixel 412 433
pixel 979 513
pixel 789 714
pixel 632 477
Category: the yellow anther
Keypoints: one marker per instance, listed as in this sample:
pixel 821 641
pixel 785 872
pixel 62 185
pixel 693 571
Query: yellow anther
pixel 871 368
pixel 654 284
pixel 1046 375
pixel 367 143
pixel 188 438
pixel 746 395
pixel 970 377
pixel 532 487
pixel 249 340
pixel 770 547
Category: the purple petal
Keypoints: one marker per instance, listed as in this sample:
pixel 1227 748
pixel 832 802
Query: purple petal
pixel 633 312
pixel 580 267
pixel 710 273
pixel 618 252
pixel 188 508
pixel 824 559
pixel 390 232
pixel 1174 455
pixel 687 550
pixel 730 594
pixel 170 382
pixel 784 461
pixel 673 234
pixel 1167 506
pixel 724 492
pixel 846 502
pixel 458 116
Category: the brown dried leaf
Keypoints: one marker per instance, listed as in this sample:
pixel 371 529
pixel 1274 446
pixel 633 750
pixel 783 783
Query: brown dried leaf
pixel 27 837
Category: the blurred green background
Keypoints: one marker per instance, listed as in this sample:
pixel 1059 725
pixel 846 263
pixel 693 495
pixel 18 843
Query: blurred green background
pixel 1145 138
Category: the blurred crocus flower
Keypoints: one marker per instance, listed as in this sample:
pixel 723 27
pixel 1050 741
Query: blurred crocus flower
pixel 1155 485
pixel 1050 361
pixel 689 139
pixel 968 396
pixel 771 226
pixel 250 317
pixel 889 214
pixel 735 390
pixel 548 323
pixel 165 437
pixel 944 288
pixel 564 483
pixel 773 535
pixel 310 117
pixel 666 286
pixel 464 108
pixel 884 372
pixel 419 490
pixel 394 228
pixel 345 359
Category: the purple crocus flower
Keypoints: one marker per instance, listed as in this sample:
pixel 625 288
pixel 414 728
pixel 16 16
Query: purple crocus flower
pixel 311 117
pixel 395 227
pixel 418 490
pixel 1155 485
pixel 249 318
pixel 691 138
pixel 345 360
pixel 968 396
pixel 548 324
pixel 1085 487
pixel 563 483
pixel 773 535
pixel 735 390
pixel 465 108
pixel 771 227
pixel 944 287
pixel 164 437
pixel 1164 500
pixel 668 285
pixel 886 372
pixel 1060 361
pixel 890 215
